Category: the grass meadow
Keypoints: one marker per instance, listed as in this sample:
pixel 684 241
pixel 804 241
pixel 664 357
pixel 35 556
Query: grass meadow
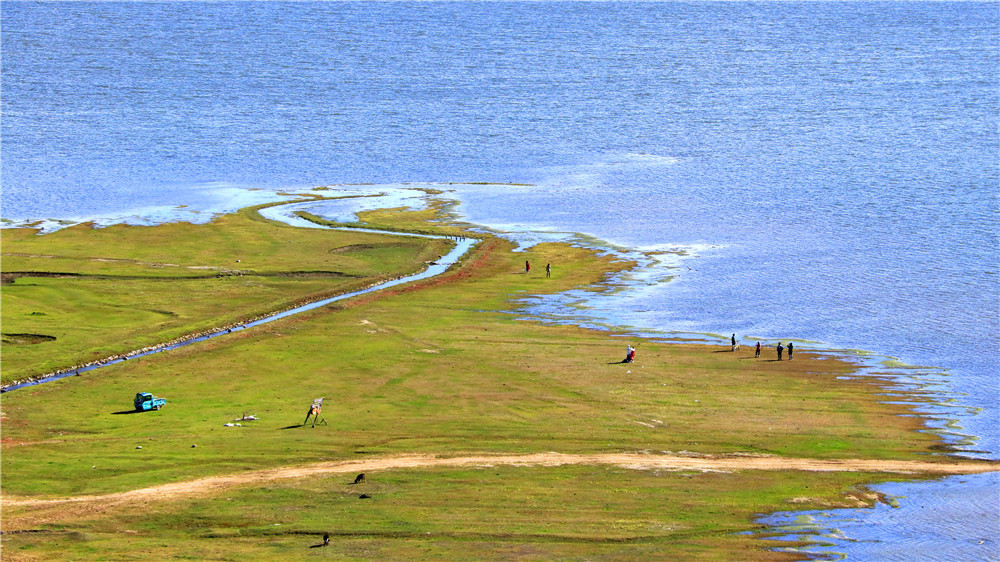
pixel 438 367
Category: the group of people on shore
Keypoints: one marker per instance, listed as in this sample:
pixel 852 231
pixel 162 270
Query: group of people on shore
pixel 780 348
pixel 630 351
pixel 548 268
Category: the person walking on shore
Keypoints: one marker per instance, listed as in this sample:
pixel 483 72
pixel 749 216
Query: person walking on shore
pixel 548 270
pixel 733 341
pixel 789 351
pixel 757 353
pixel 780 349
pixel 527 266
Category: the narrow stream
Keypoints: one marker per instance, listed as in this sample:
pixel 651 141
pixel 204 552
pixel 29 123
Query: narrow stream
pixel 283 214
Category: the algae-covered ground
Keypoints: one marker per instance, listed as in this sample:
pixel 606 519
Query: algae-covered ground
pixel 431 370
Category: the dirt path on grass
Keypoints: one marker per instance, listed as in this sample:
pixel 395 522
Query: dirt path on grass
pixel 638 461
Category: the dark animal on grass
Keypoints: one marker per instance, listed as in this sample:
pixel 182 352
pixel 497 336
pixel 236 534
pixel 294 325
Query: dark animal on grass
pixel 360 479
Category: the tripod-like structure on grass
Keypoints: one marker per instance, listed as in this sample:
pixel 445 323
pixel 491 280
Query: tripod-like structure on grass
pixel 316 413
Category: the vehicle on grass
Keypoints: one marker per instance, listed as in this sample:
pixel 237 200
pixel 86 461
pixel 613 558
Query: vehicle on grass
pixel 145 401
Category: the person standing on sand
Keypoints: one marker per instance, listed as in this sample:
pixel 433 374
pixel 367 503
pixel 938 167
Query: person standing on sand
pixel 733 342
pixel 757 353
pixel 548 270
pixel 780 349
pixel 789 351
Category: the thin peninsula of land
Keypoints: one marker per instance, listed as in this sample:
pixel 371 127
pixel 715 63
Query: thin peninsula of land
pixel 479 434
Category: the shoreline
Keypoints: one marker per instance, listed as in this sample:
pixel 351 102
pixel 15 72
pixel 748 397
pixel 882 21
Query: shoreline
pixel 431 197
pixel 655 353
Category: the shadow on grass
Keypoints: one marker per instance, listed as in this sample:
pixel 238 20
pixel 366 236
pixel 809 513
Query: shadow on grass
pixel 294 426
pixel 127 412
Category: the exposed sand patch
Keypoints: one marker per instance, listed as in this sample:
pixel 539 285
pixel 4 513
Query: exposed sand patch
pixel 699 463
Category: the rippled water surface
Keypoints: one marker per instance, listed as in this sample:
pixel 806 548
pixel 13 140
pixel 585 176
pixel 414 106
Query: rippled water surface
pixel 818 171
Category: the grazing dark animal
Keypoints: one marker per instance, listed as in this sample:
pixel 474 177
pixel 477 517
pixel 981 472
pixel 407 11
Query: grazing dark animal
pixel 326 539
pixel 364 496
pixel 360 479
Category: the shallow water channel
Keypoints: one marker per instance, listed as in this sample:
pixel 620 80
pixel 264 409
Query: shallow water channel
pixel 283 214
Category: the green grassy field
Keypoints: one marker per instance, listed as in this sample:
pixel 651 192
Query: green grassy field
pixel 83 293
pixel 571 512
pixel 438 367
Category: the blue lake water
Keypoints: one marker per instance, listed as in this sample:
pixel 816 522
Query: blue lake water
pixel 829 171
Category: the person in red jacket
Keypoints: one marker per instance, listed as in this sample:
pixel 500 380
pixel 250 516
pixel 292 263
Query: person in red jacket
pixel 629 354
